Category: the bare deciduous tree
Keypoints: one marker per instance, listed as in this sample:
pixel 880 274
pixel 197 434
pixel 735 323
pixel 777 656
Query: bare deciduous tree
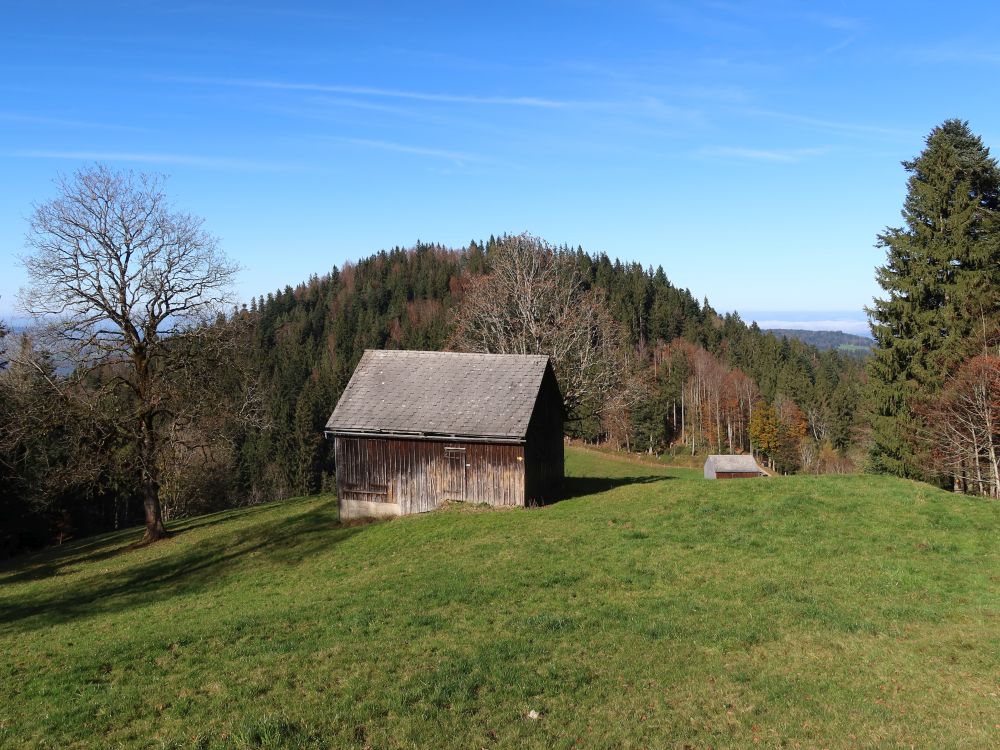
pixel 533 301
pixel 123 286
pixel 964 427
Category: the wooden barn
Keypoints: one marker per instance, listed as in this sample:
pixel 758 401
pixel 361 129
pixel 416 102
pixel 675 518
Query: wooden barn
pixel 413 430
pixel 732 467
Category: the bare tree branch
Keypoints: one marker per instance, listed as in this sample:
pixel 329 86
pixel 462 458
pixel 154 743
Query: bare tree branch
pixel 119 284
pixel 533 301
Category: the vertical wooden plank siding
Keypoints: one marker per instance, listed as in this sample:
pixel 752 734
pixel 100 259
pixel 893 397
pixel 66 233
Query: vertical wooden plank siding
pixel 415 473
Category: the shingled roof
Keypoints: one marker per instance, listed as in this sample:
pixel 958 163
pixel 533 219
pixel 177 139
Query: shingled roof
pixel 440 394
pixel 739 464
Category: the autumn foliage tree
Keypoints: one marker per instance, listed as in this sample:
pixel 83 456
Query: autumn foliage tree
pixel 793 429
pixel 765 432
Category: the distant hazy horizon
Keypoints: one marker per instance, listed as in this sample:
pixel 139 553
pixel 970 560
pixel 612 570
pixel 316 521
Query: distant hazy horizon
pixel 845 321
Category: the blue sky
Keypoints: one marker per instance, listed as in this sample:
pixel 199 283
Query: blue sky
pixel 751 149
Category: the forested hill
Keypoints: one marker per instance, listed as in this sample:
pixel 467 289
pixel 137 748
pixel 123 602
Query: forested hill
pixel 848 343
pixel 309 338
pixel 697 382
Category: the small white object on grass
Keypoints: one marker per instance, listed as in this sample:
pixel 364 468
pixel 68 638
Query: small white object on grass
pixel 533 714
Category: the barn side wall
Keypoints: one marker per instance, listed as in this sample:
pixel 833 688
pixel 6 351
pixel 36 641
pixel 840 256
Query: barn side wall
pixel 388 476
pixel 544 457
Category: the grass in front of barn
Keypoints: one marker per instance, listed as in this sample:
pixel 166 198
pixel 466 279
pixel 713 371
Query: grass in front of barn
pixel 652 609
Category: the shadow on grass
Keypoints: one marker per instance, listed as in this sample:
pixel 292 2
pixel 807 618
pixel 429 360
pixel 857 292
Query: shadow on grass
pixel 180 568
pixel 53 561
pixel 221 516
pixel 580 486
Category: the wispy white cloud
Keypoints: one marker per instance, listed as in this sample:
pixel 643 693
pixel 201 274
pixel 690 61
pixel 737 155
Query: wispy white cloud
pixel 735 66
pixel 955 51
pixel 245 9
pixel 352 110
pixel 834 22
pixel 725 94
pixel 209 162
pixel 456 156
pixel 842 44
pixel 831 125
pixel 62 122
pixel 752 12
pixel 645 79
pixel 334 102
pixel 510 101
pixel 655 107
pixel 755 154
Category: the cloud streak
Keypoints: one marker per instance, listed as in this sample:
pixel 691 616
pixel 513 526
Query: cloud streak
pixel 955 51
pixel 754 154
pixel 834 22
pixel 402 148
pixel 422 96
pixel 189 160
pixel 821 124
pixel 65 123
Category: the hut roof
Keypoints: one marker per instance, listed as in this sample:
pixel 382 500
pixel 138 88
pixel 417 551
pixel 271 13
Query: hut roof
pixel 413 393
pixel 742 463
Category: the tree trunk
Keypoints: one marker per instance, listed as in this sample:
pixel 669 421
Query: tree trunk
pixel 683 423
pixel 155 529
pixel 994 489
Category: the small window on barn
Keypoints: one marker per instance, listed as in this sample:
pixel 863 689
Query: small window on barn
pixel 373 493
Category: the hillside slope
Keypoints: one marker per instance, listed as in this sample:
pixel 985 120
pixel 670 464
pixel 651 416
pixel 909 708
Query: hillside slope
pixel 651 608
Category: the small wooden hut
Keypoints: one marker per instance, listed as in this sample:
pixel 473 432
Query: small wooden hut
pixel 413 430
pixel 732 467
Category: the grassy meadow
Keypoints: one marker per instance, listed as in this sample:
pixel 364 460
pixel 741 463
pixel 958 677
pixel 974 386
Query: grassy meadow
pixel 649 609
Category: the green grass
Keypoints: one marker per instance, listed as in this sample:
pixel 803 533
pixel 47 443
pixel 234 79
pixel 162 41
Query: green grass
pixel 651 609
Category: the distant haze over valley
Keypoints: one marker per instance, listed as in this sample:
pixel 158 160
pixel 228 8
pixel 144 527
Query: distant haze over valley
pixel 848 321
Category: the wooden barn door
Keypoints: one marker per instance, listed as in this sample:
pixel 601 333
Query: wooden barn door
pixel 454 473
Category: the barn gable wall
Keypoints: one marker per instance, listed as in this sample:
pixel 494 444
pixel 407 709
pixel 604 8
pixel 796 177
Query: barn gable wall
pixel 543 450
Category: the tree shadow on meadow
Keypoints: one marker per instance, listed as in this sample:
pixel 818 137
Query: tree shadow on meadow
pixel 197 567
pixel 53 561
pixel 581 486
pixel 62 558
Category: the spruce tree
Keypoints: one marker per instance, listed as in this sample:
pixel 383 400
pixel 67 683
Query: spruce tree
pixel 940 277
